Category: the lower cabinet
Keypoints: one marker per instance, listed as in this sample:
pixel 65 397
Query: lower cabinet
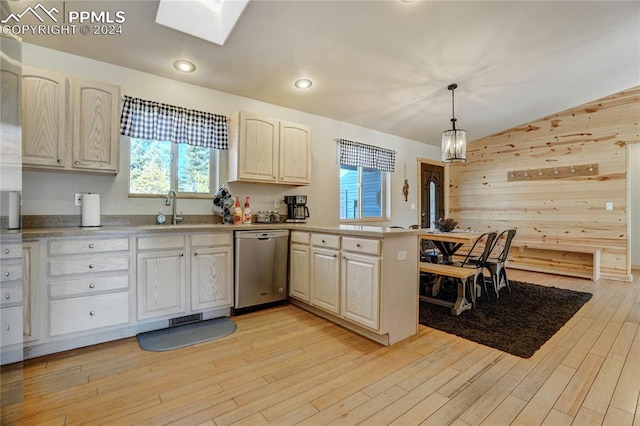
pixel 325 279
pixel 364 284
pixel 211 271
pixel 299 275
pixel 88 312
pixel 161 276
pixel 360 298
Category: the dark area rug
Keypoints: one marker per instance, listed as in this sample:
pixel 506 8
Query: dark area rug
pixel 518 322
pixel 170 338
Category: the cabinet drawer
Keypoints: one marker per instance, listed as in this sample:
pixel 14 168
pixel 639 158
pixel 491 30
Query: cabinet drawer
pixel 11 332
pixel 89 312
pixel 323 240
pixel 58 289
pixel 164 242
pixel 11 296
pixel 361 245
pixel 10 271
pixel 87 246
pixel 10 251
pixel 206 240
pixel 300 237
pixel 86 265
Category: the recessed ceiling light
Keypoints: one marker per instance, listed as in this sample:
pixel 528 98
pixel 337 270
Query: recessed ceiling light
pixel 303 83
pixel 184 66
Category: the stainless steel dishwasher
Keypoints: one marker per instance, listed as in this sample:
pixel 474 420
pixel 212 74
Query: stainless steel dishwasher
pixel 261 259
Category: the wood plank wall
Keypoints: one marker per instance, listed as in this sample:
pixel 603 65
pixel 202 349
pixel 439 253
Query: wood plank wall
pixel 567 210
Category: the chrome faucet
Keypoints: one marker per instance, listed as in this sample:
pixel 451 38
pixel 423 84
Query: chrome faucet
pixel 175 218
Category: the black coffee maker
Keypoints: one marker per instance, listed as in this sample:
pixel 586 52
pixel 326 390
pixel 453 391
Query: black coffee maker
pixel 297 210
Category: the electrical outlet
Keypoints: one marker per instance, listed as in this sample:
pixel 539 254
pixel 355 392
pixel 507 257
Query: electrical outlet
pixel 276 204
pixel 78 199
pixel 402 255
pixel 608 205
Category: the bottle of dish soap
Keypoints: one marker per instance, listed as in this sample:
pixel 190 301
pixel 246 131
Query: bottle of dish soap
pixel 237 213
pixel 247 212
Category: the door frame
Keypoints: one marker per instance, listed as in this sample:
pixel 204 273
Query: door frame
pixel 420 161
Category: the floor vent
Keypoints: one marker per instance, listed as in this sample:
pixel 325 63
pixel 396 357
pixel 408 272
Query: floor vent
pixel 185 320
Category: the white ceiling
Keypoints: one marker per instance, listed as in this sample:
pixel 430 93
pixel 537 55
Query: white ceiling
pixel 385 65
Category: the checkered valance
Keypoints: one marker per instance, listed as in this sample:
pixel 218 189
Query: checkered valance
pixel 371 157
pixel 161 122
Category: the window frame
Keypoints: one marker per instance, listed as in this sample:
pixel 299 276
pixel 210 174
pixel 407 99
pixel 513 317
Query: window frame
pixel 385 199
pixel 214 174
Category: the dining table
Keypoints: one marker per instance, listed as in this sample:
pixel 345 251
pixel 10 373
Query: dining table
pixel 449 243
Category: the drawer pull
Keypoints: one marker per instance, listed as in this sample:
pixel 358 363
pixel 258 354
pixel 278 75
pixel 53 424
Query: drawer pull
pixel 92 285
pixel 92 313
pixel 91 266
pixel 91 246
pixel 8 296
pixel 6 251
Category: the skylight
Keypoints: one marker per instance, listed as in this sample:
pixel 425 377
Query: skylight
pixel 210 20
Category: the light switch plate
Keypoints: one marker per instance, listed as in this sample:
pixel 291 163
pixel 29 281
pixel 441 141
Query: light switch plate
pixel 78 199
pixel 402 255
pixel 608 205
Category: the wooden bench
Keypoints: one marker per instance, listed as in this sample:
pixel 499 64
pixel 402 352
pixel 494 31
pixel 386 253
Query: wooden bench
pixel 461 274
pixel 589 269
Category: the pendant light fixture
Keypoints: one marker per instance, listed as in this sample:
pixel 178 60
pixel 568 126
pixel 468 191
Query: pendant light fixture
pixel 454 141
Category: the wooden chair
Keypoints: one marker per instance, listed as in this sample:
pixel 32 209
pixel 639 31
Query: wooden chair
pixel 496 263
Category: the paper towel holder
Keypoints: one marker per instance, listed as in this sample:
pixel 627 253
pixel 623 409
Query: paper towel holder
pixel 90 211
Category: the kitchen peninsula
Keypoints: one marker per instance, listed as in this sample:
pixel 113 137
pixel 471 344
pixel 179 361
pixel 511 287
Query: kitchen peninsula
pixel 92 285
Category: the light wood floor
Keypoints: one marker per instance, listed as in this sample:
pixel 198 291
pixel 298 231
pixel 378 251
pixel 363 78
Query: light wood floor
pixel 284 366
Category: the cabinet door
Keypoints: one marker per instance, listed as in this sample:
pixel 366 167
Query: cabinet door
pixel 295 153
pixel 30 290
pixel 161 283
pixel 258 148
pixel 44 118
pixel 95 126
pixel 211 278
pixel 325 279
pixel 361 289
pixel 299 272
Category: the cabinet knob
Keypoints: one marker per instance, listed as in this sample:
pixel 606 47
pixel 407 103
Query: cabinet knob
pixel 91 266
pixel 8 296
pixel 6 251
pixel 358 245
pixel 59 161
pixel 91 246
pixel 181 254
pixel 76 163
pixel 195 253
pixel 324 241
pixel 92 285
pixel 8 327
pixel 92 313
pixel 6 274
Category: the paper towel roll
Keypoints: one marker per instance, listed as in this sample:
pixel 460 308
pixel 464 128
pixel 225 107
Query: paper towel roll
pixel 90 209
pixel 14 210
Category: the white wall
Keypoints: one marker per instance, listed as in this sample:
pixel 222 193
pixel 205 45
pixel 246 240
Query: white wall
pixel 634 204
pixel 47 193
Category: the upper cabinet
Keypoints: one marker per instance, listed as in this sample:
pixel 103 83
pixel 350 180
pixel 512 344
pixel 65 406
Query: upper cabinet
pixel 69 124
pixel 268 150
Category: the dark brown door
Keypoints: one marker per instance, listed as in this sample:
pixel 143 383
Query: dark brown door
pixel 432 187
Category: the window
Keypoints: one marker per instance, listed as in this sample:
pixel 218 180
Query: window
pixel 364 180
pixel 362 193
pixel 158 166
